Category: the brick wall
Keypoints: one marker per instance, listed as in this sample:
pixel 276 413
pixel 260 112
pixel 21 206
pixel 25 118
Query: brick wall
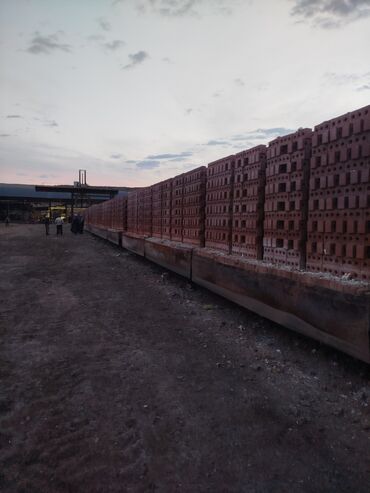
pixel 219 201
pixel 286 191
pixel 303 201
pixel 248 202
pixel 339 196
pixel 194 202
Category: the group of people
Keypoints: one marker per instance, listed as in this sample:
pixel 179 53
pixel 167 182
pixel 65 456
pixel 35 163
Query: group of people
pixel 77 224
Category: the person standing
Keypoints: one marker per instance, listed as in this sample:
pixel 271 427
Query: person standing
pixel 81 225
pixel 47 225
pixel 59 223
pixel 7 221
pixel 75 224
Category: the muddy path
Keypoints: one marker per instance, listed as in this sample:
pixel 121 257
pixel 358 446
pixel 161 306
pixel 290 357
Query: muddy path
pixel 117 376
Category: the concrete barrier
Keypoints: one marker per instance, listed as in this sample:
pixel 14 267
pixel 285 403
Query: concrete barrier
pixel 326 308
pixel 134 243
pixel 171 255
pixel 114 236
pixel 95 230
pixel 329 310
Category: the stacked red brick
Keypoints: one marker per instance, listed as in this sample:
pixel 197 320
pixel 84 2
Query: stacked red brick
pixel 248 203
pixel 166 208
pixel 157 210
pixel 287 175
pixel 193 208
pixel 177 208
pixel 132 215
pixel 107 214
pixel 99 215
pixel 119 216
pixel 219 199
pixel 339 200
pixel 144 211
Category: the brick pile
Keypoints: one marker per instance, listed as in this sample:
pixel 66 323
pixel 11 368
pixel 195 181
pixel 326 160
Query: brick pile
pixel 144 211
pixel 166 208
pixel 287 176
pixel 157 210
pixel 177 208
pixel 193 210
pixel 219 200
pixel 132 216
pixel 248 202
pixel 339 196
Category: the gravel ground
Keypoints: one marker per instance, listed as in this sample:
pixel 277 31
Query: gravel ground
pixel 117 376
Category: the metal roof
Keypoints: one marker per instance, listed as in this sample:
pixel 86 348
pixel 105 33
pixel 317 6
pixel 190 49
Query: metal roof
pixel 9 190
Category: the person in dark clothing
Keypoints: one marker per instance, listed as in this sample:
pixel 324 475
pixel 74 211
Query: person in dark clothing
pixel 7 222
pixel 75 225
pixel 47 224
pixel 81 225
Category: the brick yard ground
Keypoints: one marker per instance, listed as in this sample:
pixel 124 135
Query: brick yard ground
pixel 117 376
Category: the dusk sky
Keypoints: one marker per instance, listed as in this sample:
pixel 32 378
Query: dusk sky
pixel 136 91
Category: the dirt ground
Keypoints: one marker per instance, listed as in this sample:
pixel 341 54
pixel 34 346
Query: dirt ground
pixel 117 376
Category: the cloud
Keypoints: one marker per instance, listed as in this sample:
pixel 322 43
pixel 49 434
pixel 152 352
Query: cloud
pixel 115 156
pixel 188 111
pixel 217 143
pixel 182 8
pixel 104 24
pixel 47 44
pixel 13 116
pixel 167 60
pixel 96 37
pixel 345 78
pixel 5 135
pixel 47 123
pixel 239 82
pixel 136 59
pixel 173 157
pixel 51 123
pixel 366 87
pixel 329 14
pixel 262 134
pixel 114 45
pixel 361 80
pixel 169 8
pixel 251 138
pixel 147 164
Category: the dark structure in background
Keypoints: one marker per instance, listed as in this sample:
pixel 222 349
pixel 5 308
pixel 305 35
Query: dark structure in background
pixel 28 203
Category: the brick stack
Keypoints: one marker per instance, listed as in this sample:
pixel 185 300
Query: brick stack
pixel 114 208
pixel 248 204
pixel 132 202
pixel 147 226
pixel 176 208
pixel 119 216
pixel 193 210
pixel 107 214
pixel 98 215
pixel 166 189
pixel 339 197
pixel 144 211
pixel 286 194
pixel 219 198
pixel 157 210
pixel 123 212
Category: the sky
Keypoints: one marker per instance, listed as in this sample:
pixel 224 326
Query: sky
pixel 137 91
